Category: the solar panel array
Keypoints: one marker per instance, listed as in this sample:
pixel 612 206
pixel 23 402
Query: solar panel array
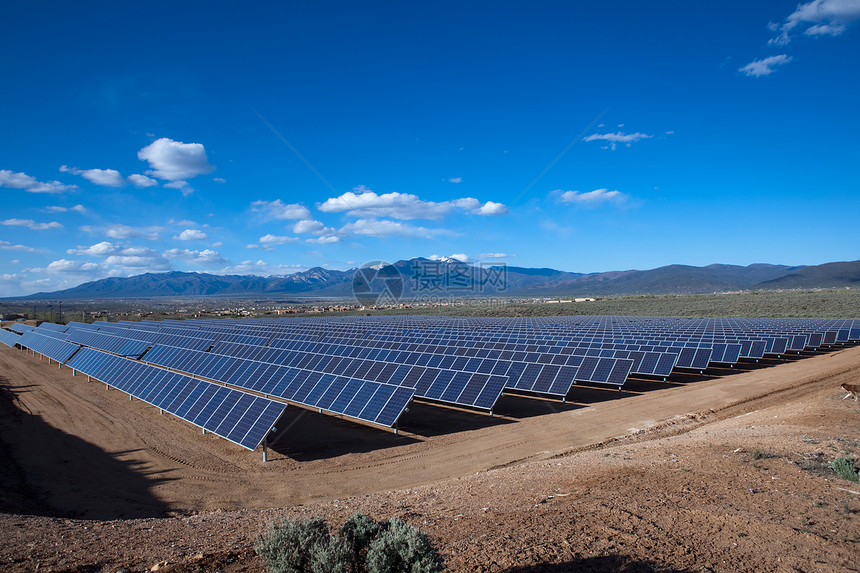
pixel 370 368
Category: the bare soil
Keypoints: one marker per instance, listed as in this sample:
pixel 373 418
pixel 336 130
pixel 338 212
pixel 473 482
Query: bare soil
pixel 726 473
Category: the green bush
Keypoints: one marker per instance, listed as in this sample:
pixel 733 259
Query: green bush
pixel 361 546
pixel 844 468
pixel 331 556
pixel 289 546
pixel 358 532
pixel 403 549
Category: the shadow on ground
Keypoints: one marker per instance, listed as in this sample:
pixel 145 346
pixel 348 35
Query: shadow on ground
pixel 600 564
pixel 47 472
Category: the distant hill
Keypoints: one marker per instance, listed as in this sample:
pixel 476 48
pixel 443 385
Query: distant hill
pixel 828 275
pixel 492 280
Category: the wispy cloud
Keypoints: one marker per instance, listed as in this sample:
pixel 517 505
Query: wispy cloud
pixel 324 240
pixel 57 209
pixel 267 242
pixel 591 198
pixel 72 266
pixel 31 224
pixel 764 67
pixel 496 256
pixel 620 137
pixel 279 210
pixel 384 228
pixel 821 18
pixel 106 177
pixel 7 246
pixel 120 231
pixel 207 257
pixel 30 184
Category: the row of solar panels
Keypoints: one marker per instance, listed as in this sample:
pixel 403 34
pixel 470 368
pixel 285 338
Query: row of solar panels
pixel 370 401
pixel 237 416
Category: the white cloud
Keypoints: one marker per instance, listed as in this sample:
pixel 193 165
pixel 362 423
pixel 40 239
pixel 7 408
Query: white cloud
pixel 455 180
pixel 206 257
pixel 311 227
pixel 30 224
pixel 279 210
pixel 7 246
pixel 120 231
pixel 384 228
pixel 118 257
pixel 57 209
pixel 30 184
pixel 106 177
pixel 141 181
pixel 324 240
pixel 615 138
pixel 182 186
pixel 175 161
pixel 139 263
pixel 219 180
pixel 595 197
pixel 827 17
pixel 764 67
pixel 191 235
pixel 495 256
pixel 492 209
pixel 67 266
pixel 261 268
pixel 362 202
pixel 268 240
pixel 103 249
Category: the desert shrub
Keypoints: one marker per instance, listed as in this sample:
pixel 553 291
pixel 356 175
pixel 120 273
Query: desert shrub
pixel 358 532
pixel 361 546
pixel 400 548
pixel 759 455
pixel 288 546
pixel 331 556
pixel 844 468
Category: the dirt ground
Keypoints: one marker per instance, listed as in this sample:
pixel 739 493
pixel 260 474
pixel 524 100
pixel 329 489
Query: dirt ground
pixel 725 473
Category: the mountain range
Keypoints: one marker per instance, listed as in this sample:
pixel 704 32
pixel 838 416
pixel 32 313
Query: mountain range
pixel 425 277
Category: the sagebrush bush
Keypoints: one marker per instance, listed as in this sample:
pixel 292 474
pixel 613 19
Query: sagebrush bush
pixel 361 546
pixel 358 531
pixel 402 548
pixel 844 468
pixel 288 546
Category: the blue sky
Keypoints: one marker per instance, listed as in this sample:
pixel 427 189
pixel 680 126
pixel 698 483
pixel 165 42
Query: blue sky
pixel 582 136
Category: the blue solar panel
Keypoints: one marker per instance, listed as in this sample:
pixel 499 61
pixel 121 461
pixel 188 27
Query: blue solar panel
pixel 228 413
pixel 8 338
pixel 53 348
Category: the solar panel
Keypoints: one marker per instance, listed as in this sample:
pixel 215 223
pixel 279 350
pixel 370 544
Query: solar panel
pixel 233 415
pixel 9 338
pixel 53 348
